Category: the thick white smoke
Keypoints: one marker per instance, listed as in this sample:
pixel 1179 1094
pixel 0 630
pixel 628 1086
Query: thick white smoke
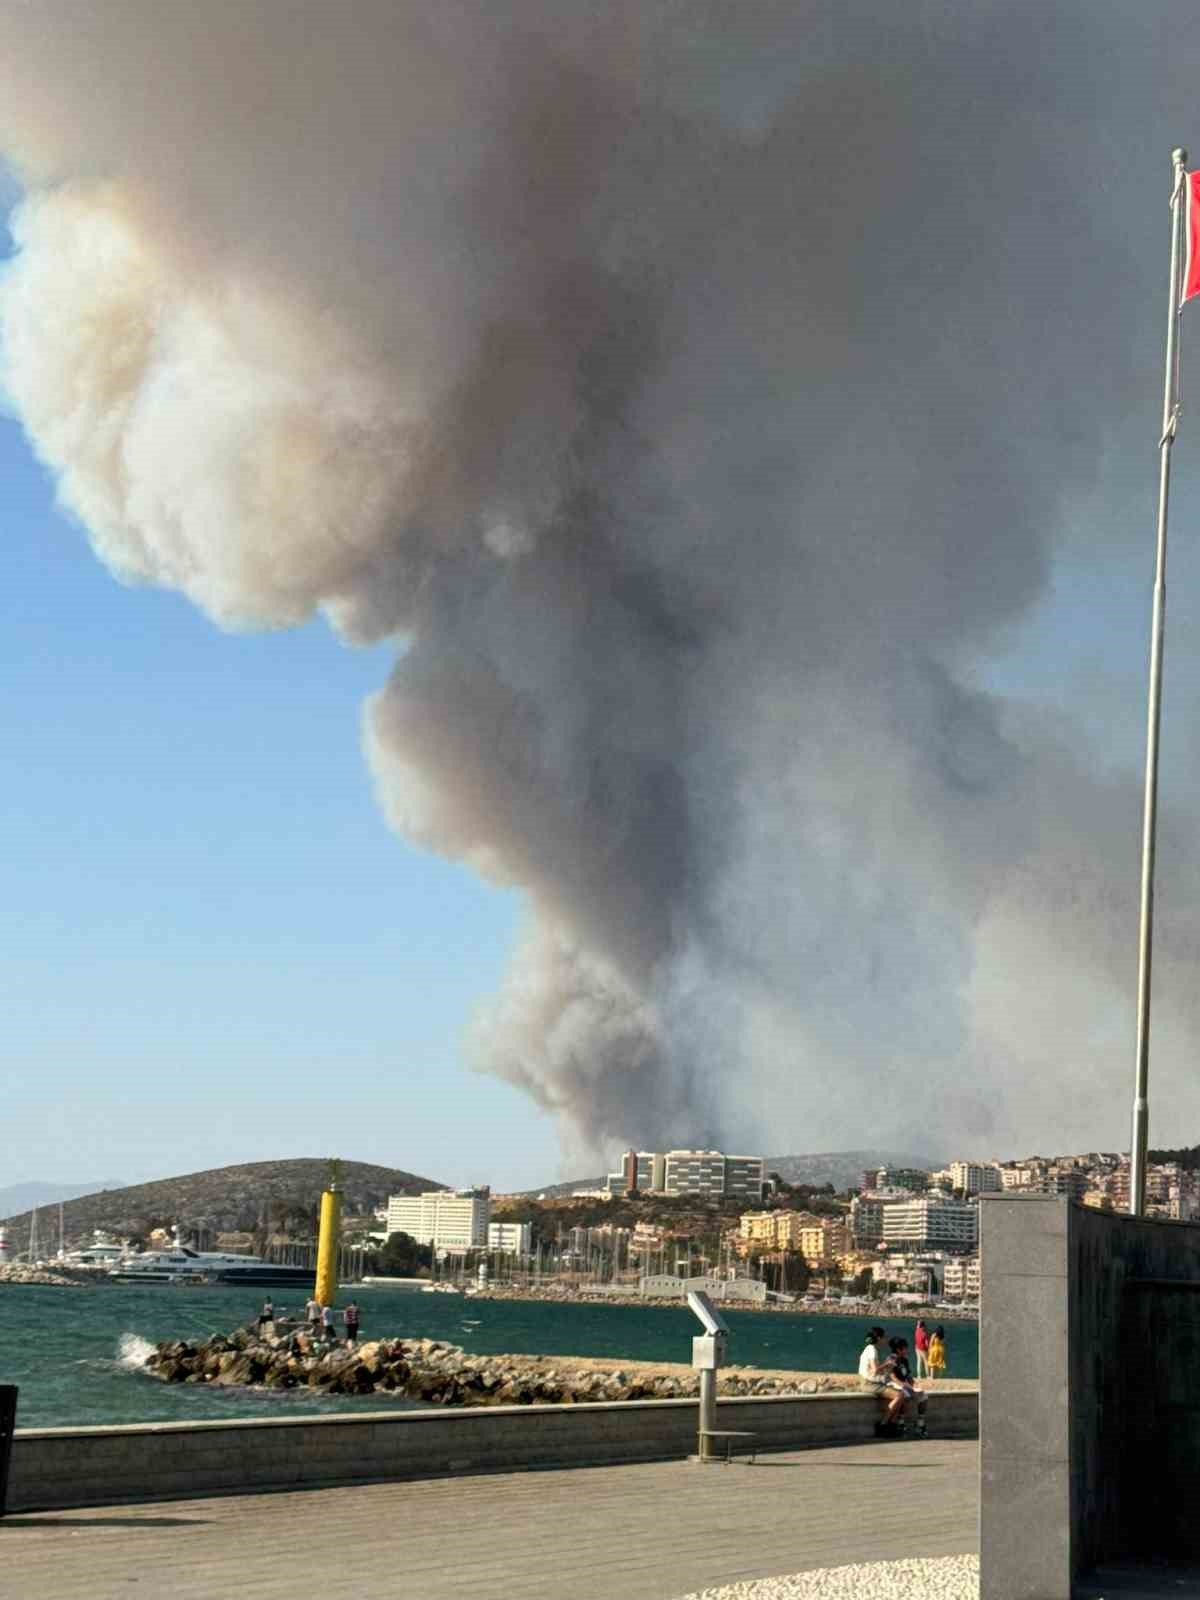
pixel 666 382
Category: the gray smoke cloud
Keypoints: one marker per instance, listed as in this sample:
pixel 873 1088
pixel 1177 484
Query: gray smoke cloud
pixel 696 406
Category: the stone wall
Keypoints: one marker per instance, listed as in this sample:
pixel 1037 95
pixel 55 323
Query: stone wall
pixel 60 1467
pixel 1089 1342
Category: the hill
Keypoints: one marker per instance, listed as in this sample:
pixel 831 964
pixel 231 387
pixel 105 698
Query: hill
pixel 20 1196
pixel 222 1199
pixel 843 1168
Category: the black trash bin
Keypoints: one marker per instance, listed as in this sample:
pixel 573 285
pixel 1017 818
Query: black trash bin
pixel 8 1426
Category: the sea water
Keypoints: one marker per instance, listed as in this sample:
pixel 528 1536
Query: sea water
pixel 77 1354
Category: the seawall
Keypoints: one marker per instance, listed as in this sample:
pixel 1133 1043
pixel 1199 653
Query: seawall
pixel 56 1468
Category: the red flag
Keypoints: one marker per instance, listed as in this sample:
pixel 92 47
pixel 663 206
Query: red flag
pixel 1191 232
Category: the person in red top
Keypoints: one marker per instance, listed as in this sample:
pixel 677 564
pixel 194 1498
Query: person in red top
pixel 921 1346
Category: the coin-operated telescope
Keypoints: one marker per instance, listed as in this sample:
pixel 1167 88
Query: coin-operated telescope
pixel 710 1351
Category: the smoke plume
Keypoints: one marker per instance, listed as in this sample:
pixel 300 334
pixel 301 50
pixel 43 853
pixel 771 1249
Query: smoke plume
pixel 696 411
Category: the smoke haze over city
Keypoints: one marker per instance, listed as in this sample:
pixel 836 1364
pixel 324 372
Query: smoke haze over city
pixel 701 398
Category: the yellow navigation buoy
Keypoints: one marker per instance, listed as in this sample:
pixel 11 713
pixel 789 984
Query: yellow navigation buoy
pixel 325 1292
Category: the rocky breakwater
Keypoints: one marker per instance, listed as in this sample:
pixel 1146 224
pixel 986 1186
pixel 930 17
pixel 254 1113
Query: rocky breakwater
pixel 15 1272
pixel 436 1373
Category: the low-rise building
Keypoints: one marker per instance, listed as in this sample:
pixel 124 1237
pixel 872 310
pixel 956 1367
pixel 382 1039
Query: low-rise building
pixel 510 1238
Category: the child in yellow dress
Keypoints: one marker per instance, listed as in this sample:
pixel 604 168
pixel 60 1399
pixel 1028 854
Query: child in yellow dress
pixel 937 1353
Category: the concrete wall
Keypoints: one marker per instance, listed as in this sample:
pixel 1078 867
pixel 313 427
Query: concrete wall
pixel 1089 1346
pixel 59 1467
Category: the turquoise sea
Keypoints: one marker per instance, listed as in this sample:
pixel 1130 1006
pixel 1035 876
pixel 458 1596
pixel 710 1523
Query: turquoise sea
pixel 76 1353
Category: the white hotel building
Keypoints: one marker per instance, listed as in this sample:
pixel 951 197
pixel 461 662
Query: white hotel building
pixel 932 1222
pixel 447 1219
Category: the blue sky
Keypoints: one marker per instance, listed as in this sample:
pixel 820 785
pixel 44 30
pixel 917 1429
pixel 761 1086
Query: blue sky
pixel 215 950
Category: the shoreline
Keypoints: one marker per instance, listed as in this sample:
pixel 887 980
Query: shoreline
pixel 872 1311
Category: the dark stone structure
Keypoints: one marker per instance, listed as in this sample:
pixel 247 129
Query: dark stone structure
pixel 1089 1356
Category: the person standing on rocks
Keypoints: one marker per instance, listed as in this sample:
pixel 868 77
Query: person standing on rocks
pixel 350 1318
pixel 327 1324
pixel 267 1314
pixel 312 1315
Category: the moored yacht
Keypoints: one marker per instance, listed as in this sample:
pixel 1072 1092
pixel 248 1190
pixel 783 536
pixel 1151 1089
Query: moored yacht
pixel 181 1264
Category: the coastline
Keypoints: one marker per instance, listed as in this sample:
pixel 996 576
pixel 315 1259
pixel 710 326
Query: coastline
pixel 873 1310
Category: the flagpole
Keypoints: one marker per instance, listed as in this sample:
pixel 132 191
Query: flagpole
pixel 1170 416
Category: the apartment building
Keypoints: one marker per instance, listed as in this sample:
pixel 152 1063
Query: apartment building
pixel 970 1177
pixel 961 1280
pixel 510 1238
pixel 447 1219
pixel 774 1230
pixel 822 1241
pixel 866 1213
pixel 933 1220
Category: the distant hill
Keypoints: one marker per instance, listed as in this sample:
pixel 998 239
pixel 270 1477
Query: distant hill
pixel 223 1199
pixel 20 1196
pixel 844 1168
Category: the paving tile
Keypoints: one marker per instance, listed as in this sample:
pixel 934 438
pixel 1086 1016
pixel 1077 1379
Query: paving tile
pixel 649 1531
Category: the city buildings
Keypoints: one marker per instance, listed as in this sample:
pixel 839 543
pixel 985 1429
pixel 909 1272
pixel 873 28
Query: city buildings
pixel 447 1219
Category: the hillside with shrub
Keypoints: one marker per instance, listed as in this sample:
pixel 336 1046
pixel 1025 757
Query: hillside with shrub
pixel 251 1197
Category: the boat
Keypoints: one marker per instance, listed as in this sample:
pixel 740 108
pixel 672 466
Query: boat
pixel 103 1252
pixel 180 1263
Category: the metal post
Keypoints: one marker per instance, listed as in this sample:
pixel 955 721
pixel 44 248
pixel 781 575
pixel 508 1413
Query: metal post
pixel 708 1409
pixel 1141 1103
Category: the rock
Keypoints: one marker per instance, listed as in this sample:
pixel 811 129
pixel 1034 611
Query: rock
pixel 236 1369
pixel 809 1386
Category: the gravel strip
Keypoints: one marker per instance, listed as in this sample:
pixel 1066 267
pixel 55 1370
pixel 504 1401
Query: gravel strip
pixel 918 1578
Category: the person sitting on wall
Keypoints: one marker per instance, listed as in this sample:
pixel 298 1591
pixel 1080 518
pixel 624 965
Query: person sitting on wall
pixel 900 1386
pixel 874 1369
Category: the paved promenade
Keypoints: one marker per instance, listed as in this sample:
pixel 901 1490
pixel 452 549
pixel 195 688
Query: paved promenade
pixel 647 1532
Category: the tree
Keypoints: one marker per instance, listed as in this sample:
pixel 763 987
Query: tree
pixel 402 1256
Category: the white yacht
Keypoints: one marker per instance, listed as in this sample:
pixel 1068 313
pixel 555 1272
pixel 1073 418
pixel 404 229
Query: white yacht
pixel 181 1264
pixel 102 1253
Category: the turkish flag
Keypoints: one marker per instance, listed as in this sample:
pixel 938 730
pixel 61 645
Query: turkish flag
pixel 1191 234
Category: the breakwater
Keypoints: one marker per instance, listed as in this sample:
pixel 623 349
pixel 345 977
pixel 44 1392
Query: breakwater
pixel 434 1372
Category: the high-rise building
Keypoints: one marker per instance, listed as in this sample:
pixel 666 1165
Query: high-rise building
pixel 707 1174
pixel 447 1219
pixel 932 1220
